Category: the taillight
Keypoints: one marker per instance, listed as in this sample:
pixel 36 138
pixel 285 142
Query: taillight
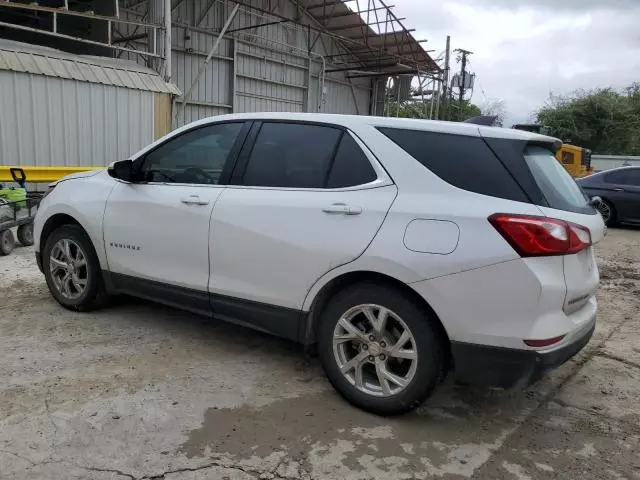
pixel 533 236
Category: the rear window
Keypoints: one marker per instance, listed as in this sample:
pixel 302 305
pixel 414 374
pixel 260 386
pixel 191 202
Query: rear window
pixel 559 189
pixel 462 161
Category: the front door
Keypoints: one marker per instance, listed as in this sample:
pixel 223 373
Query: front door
pixel 156 230
pixel 307 199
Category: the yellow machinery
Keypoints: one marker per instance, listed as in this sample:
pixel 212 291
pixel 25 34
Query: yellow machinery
pixel 576 160
pixel 42 174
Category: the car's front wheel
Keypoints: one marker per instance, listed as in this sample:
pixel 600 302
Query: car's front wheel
pixel 72 270
pixel 379 349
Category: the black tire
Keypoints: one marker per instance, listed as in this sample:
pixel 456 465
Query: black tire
pixel 94 295
pixel 25 234
pixel 428 343
pixel 7 242
pixel 611 220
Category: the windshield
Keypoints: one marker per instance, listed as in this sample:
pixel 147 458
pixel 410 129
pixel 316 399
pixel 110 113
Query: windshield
pixel 559 189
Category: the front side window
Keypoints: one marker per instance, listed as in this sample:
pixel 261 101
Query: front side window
pixel 291 155
pixel 198 156
pixel 567 158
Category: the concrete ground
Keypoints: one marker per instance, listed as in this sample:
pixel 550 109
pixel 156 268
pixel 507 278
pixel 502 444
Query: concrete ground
pixel 143 391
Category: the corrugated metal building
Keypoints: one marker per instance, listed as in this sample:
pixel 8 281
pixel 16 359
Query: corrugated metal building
pixel 264 55
pixel 63 109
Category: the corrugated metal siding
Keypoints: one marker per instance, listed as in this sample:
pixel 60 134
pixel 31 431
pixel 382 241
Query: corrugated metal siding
pixel 25 58
pixel 48 121
pixel 270 72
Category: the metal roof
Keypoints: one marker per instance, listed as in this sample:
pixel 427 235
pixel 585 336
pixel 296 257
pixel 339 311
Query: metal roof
pixel 374 34
pixel 39 60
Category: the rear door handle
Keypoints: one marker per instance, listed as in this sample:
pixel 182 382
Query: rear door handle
pixel 618 189
pixel 194 200
pixel 342 209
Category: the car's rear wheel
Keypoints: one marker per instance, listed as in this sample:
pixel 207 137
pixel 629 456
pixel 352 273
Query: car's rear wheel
pixel 379 349
pixel 608 212
pixel 72 270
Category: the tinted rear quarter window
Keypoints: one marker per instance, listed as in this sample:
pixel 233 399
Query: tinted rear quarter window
pixel 463 161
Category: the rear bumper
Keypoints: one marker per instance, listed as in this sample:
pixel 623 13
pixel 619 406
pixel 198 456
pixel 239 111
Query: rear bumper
pixel 510 368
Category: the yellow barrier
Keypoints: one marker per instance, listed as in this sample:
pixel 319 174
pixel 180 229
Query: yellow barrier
pixel 43 174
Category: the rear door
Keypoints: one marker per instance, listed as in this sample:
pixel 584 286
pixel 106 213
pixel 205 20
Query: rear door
pixel 566 201
pixel 307 198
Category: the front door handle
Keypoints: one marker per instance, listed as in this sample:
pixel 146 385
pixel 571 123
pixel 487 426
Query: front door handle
pixel 194 200
pixel 618 189
pixel 342 209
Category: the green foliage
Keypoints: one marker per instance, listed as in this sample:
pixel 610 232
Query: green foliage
pixel 604 120
pixel 458 111
pixel 461 110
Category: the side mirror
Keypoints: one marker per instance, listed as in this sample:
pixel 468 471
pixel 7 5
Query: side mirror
pixel 595 201
pixel 122 170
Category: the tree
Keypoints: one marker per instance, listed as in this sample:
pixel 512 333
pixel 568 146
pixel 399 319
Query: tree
pixel 461 110
pixel 496 108
pixel 605 120
pixel 415 107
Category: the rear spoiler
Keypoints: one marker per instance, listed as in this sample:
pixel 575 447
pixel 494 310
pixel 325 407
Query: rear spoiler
pixel 485 120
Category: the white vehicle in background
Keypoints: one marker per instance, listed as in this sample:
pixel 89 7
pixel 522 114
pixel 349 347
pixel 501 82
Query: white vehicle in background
pixel 403 249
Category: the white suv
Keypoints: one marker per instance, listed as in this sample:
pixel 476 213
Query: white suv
pixel 401 249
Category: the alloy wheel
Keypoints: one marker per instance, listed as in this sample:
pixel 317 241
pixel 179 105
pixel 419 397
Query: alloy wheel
pixel 68 268
pixel 375 350
pixel 605 211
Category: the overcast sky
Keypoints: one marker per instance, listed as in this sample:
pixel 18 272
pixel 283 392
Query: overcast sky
pixel 523 49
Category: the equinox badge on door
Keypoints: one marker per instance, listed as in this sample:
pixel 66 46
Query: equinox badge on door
pixel 124 246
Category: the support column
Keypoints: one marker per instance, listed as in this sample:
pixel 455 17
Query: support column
pixel 167 40
pixel 234 78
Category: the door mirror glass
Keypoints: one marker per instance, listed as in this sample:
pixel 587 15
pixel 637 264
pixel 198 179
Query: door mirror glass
pixel 122 170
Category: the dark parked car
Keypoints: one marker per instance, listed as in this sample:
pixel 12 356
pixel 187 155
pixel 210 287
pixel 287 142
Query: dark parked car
pixel 619 190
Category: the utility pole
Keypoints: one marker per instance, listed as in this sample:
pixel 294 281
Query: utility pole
pixel 445 79
pixel 463 72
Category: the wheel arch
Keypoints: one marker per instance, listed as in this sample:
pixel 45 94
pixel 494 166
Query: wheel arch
pixel 60 219
pixel 54 222
pixel 338 283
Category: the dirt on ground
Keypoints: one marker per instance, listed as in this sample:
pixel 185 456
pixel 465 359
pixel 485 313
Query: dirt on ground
pixel 139 391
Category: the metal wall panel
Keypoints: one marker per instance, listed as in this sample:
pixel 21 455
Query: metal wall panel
pixel 49 121
pixel 270 72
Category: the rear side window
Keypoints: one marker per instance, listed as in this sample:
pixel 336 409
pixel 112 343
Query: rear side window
pixel 351 167
pixel 291 155
pixel 463 161
pixel 557 186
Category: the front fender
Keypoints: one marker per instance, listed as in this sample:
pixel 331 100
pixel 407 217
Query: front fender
pixel 84 200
